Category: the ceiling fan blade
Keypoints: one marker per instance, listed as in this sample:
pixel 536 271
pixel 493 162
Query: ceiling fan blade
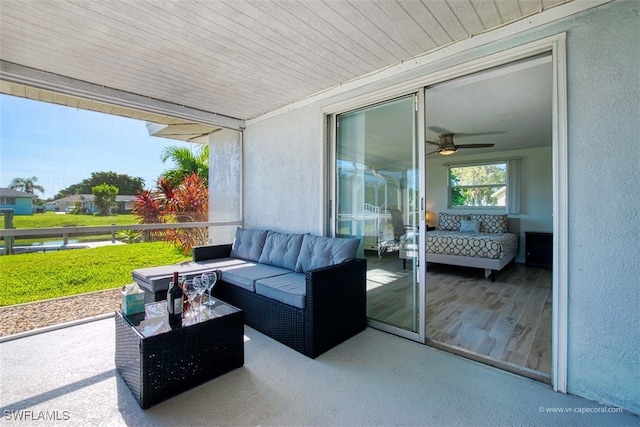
pixel 474 145
pixel 464 134
pixel 432 143
pixel 433 152
pixel 440 131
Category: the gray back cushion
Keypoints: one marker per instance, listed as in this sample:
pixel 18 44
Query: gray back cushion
pixel 248 244
pixel 281 249
pixel 319 251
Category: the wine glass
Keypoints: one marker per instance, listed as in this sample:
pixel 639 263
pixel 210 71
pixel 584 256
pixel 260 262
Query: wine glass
pixel 201 288
pixel 205 284
pixel 209 280
pixel 197 284
pixel 191 293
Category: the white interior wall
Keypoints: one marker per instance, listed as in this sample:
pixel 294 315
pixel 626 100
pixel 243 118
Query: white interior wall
pixel 284 176
pixel 536 196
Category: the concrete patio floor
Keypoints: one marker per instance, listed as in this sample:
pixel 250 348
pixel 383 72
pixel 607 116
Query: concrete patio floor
pixel 372 379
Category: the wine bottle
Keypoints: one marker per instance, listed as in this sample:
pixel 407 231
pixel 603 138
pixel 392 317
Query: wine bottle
pixel 175 302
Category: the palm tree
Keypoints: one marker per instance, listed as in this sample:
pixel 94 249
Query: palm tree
pixel 186 162
pixel 28 185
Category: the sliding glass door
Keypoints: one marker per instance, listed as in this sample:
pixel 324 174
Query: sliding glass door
pixel 378 200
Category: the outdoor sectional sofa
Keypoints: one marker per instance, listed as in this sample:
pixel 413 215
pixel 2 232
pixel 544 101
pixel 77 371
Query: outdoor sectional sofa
pixel 307 292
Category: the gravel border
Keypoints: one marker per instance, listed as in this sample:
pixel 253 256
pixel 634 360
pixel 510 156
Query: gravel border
pixel 30 316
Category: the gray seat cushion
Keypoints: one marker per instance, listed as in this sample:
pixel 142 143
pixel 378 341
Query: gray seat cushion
pixel 246 274
pixel 156 279
pixel 319 251
pixel 248 244
pixel 281 249
pixel 289 288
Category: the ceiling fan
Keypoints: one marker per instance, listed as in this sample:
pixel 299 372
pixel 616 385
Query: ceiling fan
pixel 446 146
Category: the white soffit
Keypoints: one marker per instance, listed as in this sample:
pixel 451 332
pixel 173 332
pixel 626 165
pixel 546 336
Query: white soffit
pixel 159 125
pixel 241 59
pixel 35 94
pixel 188 132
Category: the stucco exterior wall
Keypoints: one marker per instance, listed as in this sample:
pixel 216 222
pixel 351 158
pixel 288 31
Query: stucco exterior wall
pixel 225 183
pixel 603 57
pixel 283 173
pixel 23 206
pixel 284 183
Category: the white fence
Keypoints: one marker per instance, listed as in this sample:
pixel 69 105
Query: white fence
pixel 64 232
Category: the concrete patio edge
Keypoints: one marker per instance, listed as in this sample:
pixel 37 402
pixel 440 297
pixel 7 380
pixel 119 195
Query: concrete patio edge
pixel 55 327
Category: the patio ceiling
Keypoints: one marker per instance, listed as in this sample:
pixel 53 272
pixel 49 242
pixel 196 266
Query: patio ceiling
pixel 238 58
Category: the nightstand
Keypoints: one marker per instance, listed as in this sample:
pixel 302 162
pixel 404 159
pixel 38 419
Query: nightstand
pixel 538 249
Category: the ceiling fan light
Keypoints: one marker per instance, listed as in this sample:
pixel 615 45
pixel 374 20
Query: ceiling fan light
pixel 447 151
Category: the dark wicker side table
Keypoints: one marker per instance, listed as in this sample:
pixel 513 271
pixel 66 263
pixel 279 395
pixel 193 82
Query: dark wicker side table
pixel 158 362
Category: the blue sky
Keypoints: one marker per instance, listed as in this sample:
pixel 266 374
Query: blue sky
pixel 62 145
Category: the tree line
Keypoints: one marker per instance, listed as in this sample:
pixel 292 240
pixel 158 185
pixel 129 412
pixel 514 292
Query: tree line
pixel 126 184
pixel 185 161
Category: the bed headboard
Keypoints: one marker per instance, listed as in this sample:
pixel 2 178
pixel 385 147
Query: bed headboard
pixel 513 225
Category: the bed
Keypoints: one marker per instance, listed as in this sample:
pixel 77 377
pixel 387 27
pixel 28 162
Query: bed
pixel 490 242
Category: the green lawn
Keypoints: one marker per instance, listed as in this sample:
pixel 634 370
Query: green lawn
pixel 37 276
pixel 51 219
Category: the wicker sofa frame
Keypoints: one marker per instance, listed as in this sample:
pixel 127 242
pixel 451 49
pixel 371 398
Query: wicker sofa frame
pixel 335 305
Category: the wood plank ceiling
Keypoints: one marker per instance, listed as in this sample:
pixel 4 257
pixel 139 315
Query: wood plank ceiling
pixel 237 58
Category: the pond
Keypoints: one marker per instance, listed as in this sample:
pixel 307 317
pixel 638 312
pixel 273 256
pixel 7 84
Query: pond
pixel 55 242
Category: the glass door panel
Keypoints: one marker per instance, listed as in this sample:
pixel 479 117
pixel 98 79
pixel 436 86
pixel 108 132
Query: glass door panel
pixel 378 200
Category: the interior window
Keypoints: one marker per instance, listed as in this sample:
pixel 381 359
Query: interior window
pixel 478 186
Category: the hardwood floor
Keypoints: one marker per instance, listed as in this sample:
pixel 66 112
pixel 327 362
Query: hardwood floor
pixel 508 320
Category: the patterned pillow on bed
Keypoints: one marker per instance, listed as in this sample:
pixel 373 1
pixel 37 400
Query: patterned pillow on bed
pixel 469 226
pixel 450 222
pixel 491 223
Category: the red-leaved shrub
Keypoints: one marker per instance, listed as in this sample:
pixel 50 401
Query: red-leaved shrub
pixel 188 202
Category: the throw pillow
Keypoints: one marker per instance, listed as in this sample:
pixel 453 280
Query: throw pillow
pixel 469 226
pixel 450 222
pixel 491 223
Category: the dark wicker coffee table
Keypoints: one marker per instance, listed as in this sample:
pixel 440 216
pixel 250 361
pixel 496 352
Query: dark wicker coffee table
pixel 158 362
